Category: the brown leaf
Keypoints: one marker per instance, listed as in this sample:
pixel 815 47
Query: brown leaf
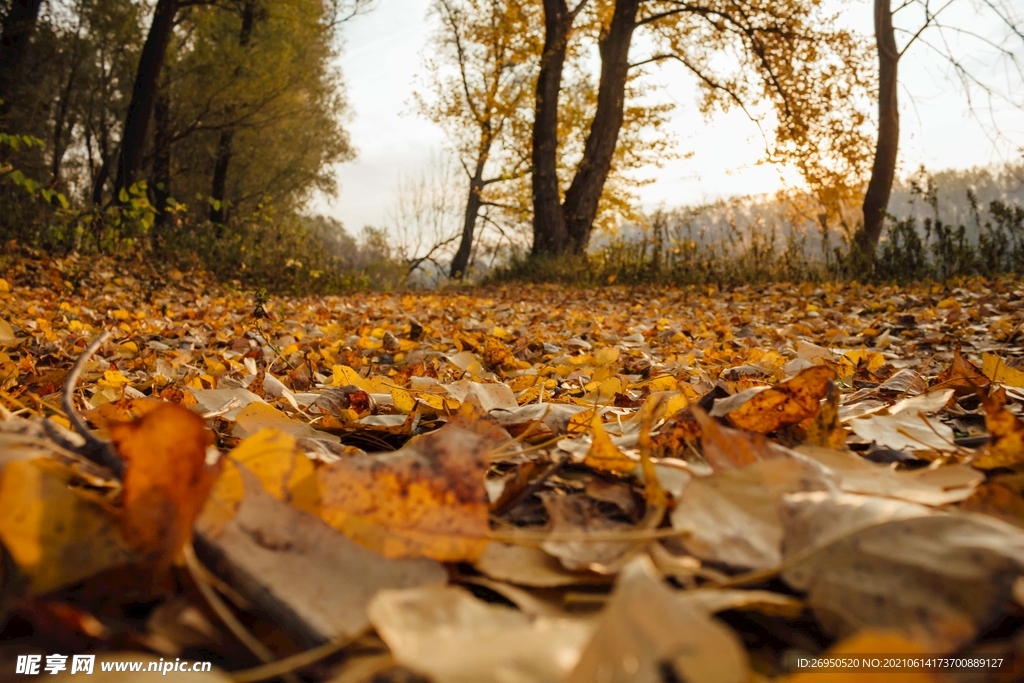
pixel 961 376
pixel 785 403
pixel 425 500
pixel 1007 446
pixel 166 479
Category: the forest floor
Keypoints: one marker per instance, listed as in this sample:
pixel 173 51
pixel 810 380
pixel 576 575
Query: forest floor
pixel 518 483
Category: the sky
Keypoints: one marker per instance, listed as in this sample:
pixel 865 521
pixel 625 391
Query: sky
pixel 382 57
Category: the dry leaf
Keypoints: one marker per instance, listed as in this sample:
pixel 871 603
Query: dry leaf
pixel 166 479
pixel 870 562
pixel 603 454
pixel 452 637
pixel 730 516
pixel 1007 431
pixel 646 627
pixel 427 499
pixel 319 581
pixel 785 403
pixel 55 535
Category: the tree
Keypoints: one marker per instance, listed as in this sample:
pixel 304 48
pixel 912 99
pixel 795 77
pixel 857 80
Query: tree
pixel 491 45
pixel 19 24
pixel 784 52
pixel 278 96
pixel 482 89
pixel 883 170
pixel 140 108
pixel 218 202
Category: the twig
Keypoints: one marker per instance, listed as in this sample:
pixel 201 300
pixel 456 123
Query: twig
pixel 289 664
pixel 94 449
pixel 196 569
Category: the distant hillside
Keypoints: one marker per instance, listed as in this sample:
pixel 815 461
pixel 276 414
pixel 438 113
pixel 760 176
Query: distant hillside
pixel 738 220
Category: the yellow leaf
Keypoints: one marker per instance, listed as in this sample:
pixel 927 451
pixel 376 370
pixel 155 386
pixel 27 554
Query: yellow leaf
pixel 113 379
pixel 605 455
pixel 441 404
pixel 663 383
pixel 996 369
pixel 608 354
pixel 285 472
pixel 55 536
pixel 785 403
pixel 425 500
pixel 4 286
pixel 404 402
pixel 343 375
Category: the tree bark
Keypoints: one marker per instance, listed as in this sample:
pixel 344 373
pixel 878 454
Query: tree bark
pixel 550 236
pixel 59 124
pixel 140 108
pixel 225 146
pixel 161 157
pixel 883 170
pixel 15 36
pixel 460 263
pixel 582 197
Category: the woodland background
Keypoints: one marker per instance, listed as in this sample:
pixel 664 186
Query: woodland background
pixel 198 132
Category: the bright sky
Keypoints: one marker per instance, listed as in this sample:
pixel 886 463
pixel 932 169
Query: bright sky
pixel 383 55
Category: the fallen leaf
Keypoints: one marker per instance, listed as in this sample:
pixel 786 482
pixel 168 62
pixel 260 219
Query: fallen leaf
pixel 731 516
pixel 580 515
pixel 1006 448
pixel 785 403
pixel 603 454
pixel 726 448
pixel 54 534
pixel 166 479
pixel 528 566
pixel 870 562
pixel 996 369
pixel 274 458
pixel 961 376
pixel 427 499
pixel 447 634
pixel 318 581
pixel 646 629
pixel 905 431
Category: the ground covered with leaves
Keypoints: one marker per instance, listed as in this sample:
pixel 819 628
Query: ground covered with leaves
pixel 523 483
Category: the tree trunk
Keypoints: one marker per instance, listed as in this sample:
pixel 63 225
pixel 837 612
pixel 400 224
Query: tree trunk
pixel 583 194
pixel 220 176
pixel 161 158
pixel 550 236
pixel 476 186
pixel 883 171
pixel 218 189
pixel 16 33
pixel 59 124
pixel 140 108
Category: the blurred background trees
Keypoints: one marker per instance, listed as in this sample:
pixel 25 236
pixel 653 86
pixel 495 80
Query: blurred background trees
pixel 201 129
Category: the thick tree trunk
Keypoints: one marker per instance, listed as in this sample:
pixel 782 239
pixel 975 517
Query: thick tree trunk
pixel 460 263
pixel 583 194
pixel 140 108
pixel 550 236
pixel 15 36
pixel 883 171
pixel 225 146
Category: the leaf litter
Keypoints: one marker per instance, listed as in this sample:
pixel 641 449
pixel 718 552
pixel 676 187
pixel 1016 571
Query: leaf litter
pixel 511 484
